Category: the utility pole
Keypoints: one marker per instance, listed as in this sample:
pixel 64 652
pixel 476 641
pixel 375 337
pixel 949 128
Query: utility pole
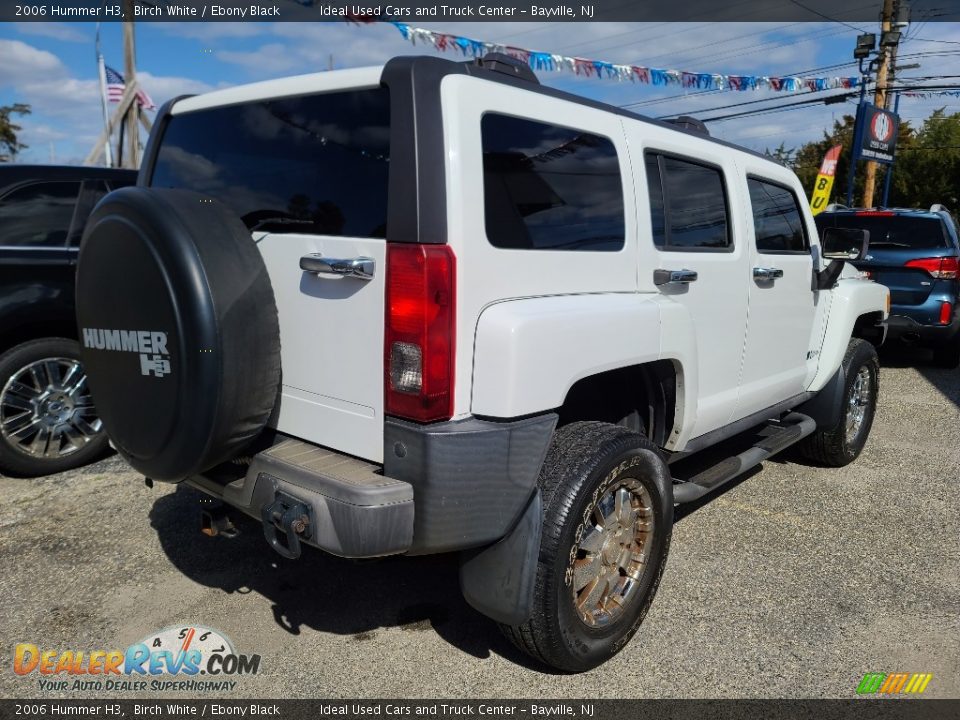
pixel 128 114
pixel 131 155
pixel 880 96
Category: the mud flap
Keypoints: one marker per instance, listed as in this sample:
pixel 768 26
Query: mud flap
pixel 498 580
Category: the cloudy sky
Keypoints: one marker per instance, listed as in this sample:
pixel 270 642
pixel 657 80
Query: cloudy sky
pixel 52 67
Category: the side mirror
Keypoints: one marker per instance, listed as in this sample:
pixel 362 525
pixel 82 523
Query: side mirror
pixel 847 244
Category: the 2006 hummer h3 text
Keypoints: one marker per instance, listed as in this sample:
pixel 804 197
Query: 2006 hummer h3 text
pixel 436 307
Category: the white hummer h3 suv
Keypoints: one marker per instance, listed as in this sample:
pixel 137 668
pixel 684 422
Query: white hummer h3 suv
pixel 437 307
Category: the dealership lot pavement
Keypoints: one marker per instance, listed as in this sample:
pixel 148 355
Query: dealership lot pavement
pixel 794 582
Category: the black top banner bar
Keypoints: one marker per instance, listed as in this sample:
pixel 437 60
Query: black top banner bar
pixel 859 709
pixel 418 11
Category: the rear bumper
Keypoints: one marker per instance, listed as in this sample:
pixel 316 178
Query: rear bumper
pixel 444 487
pixel 906 328
pixel 354 510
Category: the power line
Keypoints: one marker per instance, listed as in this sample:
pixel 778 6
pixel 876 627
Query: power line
pixel 683 96
pixel 827 17
pixel 822 99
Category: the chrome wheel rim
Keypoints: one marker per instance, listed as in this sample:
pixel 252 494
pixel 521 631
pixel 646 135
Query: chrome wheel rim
pixel 857 403
pixel 46 410
pixel 611 553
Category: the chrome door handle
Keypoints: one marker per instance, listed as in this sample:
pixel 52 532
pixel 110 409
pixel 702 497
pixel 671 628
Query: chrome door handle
pixel 673 277
pixel 359 267
pixel 767 273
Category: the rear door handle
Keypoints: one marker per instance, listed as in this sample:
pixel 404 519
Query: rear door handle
pixel 673 277
pixel 761 273
pixel 358 267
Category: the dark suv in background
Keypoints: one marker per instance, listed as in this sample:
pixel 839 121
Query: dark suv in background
pixel 47 420
pixel 915 253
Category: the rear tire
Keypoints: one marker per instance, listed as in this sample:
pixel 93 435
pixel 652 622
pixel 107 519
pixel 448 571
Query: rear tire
pixel 841 444
pixel 47 420
pixel 607 523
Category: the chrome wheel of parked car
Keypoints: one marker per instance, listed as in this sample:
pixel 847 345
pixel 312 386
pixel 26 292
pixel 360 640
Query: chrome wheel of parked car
pixel 609 559
pixel 858 402
pixel 46 409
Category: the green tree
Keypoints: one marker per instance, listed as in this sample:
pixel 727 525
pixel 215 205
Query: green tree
pixel 781 154
pixel 9 144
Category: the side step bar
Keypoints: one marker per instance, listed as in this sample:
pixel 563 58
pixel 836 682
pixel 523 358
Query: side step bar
pixel 776 436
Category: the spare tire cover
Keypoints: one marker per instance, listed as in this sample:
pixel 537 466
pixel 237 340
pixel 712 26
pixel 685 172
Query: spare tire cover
pixel 178 328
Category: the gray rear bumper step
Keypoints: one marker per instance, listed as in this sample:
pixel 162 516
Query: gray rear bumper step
pixel 348 506
pixel 774 438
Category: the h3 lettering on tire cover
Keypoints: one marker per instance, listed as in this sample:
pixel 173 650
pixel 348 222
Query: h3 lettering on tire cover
pixel 150 344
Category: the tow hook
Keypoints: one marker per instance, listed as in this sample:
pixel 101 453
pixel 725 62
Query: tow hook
pixel 287 518
pixel 215 521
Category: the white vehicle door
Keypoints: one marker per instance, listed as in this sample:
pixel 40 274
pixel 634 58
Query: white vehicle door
pixel 307 173
pixel 779 357
pixel 699 258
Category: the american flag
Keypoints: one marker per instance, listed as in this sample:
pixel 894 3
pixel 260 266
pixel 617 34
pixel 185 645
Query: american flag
pixel 116 86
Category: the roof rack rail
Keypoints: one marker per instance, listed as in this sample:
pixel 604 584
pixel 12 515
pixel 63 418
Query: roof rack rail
pixel 507 65
pixel 937 207
pixel 690 123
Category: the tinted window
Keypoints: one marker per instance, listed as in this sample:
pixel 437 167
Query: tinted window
pixel 92 192
pixel 777 220
pixel 891 231
pixel 694 205
pixel 38 214
pixel 320 162
pixel 550 188
pixel 655 188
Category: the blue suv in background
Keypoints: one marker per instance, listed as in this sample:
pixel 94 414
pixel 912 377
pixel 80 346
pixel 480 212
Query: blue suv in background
pixel 915 253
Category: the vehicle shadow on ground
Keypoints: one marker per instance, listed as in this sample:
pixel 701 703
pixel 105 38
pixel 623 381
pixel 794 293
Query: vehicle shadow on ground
pixel 325 593
pixel 946 381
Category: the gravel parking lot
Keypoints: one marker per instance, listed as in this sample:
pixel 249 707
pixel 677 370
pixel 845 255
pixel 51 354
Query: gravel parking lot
pixel 794 582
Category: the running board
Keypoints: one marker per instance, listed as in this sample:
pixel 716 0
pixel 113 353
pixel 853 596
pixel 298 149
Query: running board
pixel 776 436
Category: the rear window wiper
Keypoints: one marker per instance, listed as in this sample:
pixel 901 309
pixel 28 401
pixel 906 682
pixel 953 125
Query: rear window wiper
pixel 279 221
pixel 889 243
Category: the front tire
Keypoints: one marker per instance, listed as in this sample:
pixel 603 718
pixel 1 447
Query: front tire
pixel 48 423
pixel 841 444
pixel 608 519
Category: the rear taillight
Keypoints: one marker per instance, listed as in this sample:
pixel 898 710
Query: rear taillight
pixel 874 213
pixel 940 268
pixel 946 313
pixel 420 325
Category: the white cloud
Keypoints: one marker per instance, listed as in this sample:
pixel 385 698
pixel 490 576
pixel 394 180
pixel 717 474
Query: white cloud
pixel 210 31
pixel 22 60
pixel 161 88
pixel 269 59
pixel 55 30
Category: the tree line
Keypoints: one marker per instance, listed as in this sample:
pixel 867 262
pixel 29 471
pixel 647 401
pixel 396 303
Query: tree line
pixel 926 169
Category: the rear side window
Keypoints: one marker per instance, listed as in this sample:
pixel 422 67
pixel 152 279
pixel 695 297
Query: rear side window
pixel 313 164
pixel 688 203
pixel 777 220
pixel 547 187
pixel 39 214
pixel 91 193
pixel 891 231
